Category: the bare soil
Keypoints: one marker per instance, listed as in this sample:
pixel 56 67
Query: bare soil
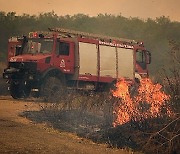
pixel 19 134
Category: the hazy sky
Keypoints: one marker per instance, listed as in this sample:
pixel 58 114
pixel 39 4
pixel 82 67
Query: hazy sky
pixel 134 8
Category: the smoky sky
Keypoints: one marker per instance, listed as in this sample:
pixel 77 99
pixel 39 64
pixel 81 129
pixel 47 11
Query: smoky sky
pixel 129 8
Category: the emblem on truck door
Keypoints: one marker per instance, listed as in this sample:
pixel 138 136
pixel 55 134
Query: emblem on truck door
pixel 62 64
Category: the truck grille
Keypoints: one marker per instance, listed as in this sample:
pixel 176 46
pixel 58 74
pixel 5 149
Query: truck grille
pixel 31 66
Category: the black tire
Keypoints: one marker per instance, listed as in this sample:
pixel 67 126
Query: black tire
pixel 52 89
pixel 15 90
pixel 19 89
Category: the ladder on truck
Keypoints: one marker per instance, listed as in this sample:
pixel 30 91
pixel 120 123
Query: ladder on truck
pixel 72 33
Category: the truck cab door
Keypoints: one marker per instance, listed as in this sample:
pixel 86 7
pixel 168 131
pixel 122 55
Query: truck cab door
pixel 65 56
pixel 141 65
pixel 141 59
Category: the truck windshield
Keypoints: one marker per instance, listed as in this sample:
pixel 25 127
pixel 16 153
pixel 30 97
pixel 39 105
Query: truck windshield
pixel 38 46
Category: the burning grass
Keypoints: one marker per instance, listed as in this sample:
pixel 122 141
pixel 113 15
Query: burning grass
pixel 149 102
pixel 147 118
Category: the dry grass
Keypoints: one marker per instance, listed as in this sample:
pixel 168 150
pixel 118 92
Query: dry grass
pixel 2 67
pixel 3 85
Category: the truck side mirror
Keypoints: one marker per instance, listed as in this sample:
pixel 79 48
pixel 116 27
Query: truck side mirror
pixel 18 50
pixel 148 57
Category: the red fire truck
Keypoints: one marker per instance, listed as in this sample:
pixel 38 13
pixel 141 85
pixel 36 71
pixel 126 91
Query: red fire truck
pixel 48 62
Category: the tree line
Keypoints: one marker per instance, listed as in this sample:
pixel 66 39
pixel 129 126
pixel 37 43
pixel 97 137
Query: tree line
pixel 155 33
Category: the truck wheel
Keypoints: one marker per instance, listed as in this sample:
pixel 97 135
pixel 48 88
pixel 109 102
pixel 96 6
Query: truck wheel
pixel 52 89
pixel 19 90
pixel 15 90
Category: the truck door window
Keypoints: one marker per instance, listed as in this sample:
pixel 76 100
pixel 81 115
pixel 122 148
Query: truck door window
pixel 140 58
pixel 63 49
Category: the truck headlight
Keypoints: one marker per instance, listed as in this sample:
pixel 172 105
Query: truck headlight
pixel 6 76
pixel 31 77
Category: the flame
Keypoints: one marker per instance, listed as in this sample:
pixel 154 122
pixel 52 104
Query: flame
pixel 149 102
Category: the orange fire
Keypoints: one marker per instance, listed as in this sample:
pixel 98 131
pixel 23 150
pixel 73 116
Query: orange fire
pixel 149 102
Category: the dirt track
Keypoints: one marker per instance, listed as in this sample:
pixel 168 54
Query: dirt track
pixel 20 135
